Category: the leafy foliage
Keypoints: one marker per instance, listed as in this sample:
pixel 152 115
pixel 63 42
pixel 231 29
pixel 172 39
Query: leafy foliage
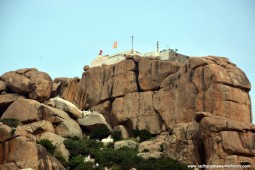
pixel 142 134
pixel 48 145
pixel 12 133
pixel 118 159
pixel 116 135
pixel 100 133
pixel 10 122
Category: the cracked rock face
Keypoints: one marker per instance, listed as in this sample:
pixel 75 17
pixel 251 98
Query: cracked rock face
pixel 164 97
pixel 36 84
pixel 155 94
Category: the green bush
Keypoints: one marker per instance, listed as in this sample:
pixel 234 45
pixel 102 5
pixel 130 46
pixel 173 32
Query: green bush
pixel 82 146
pixel 10 122
pixel 76 160
pixel 118 159
pixel 160 164
pixel 110 157
pixel 142 134
pixel 76 147
pixel 116 135
pixel 100 133
pixel 47 144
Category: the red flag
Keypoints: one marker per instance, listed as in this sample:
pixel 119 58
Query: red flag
pixel 115 44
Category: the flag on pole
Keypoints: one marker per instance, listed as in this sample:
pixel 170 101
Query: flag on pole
pixel 115 44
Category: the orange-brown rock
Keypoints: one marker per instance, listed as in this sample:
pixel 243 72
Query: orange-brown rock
pixel 36 84
pixel 65 126
pixel 3 86
pixel 69 89
pixel 137 109
pixel 153 72
pixel 18 83
pixel 25 110
pixel 6 100
pixel 208 84
pixel 227 141
pixel 30 155
pixel 103 83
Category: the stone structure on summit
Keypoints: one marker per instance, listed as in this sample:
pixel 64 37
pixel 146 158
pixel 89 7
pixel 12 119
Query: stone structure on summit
pixel 198 108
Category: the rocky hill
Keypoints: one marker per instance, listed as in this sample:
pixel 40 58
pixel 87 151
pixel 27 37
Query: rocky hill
pixel 199 111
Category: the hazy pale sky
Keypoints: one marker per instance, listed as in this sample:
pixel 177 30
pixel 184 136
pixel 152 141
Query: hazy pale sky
pixel 61 36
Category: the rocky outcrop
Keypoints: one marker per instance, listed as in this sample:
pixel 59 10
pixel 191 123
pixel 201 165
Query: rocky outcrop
pixel 163 97
pixel 70 90
pixel 24 110
pixel 184 144
pixel 153 72
pixel 30 82
pixel 30 155
pixel 227 141
pixel 103 83
pixel 93 121
pixel 125 143
pixel 6 100
pixel 122 130
pixel 208 84
pixel 137 108
pixel 66 106
pixel 65 126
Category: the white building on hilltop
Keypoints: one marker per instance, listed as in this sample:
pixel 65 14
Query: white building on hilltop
pixel 108 60
pixel 169 54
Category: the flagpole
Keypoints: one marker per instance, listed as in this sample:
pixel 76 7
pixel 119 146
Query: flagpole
pixel 132 50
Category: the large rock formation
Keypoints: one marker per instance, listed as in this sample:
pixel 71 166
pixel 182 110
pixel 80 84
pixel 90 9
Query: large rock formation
pixel 20 153
pixel 227 141
pixel 162 97
pixel 36 84
pixel 165 93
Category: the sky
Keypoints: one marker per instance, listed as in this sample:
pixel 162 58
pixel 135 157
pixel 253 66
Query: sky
pixel 61 36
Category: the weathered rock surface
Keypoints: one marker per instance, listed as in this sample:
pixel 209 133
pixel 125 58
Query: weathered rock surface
pixel 164 97
pixel 70 90
pixel 30 155
pixel 30 82
pixel 227 141
pixel 57 140
pixel 93 121
pixel 153 72
pixel 65 126
pixel 39 127
pixel 137 108
pixel 125 143
pixel 5 132
pixel 40 85
pixel 25 110
pixel 62 152
pixel 208 84
pixel 3 86
pixel 183 144
pixel 122 130
pixel 103 83
pixel 6 100
pixel 66 106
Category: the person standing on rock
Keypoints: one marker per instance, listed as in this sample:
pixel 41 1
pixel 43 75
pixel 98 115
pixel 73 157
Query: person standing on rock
pixel 100 52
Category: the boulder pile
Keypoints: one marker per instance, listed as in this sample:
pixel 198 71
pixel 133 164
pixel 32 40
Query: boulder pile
pixel 199 111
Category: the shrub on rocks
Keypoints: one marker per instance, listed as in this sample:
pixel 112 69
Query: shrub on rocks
pixel 100 133
pixel 10 122
pixel 48 145
pixel 142 134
